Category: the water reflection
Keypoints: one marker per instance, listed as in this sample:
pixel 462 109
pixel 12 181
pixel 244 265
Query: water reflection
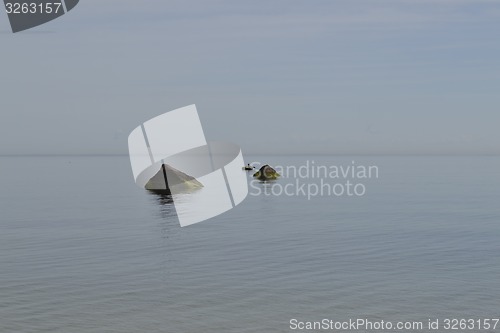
pixel 167 210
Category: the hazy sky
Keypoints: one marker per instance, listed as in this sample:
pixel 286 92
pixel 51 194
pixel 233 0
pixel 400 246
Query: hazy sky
pixel 311 76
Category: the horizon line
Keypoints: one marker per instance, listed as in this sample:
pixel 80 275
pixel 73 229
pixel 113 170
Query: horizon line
pixel 268 154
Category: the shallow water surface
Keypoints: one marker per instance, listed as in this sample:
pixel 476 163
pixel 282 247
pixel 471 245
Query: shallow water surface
pixel 82 249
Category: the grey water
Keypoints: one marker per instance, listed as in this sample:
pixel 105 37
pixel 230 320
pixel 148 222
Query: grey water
pixel 82 249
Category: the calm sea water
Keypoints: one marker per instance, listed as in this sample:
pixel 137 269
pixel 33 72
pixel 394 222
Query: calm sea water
pixel 82 249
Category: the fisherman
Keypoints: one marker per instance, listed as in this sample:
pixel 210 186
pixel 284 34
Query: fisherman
pixel 248 167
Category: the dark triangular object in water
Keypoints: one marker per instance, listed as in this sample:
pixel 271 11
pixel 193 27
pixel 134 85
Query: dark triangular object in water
pixel 266 173
pixel 168 178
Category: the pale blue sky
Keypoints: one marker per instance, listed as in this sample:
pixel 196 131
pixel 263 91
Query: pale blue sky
pixel 341 77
